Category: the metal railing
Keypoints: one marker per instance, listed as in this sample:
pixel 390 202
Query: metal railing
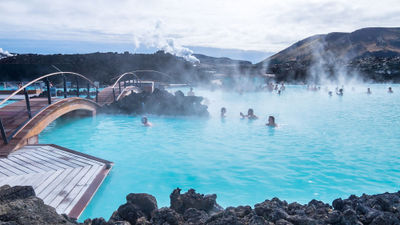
pixel 46 80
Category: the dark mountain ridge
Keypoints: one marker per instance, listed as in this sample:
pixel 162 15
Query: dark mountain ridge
pixel 105 66
pixel 350 52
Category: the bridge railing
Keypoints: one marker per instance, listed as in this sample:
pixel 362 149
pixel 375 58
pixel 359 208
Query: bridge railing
pixel 126 82
pixel 23 89
pixel 136 82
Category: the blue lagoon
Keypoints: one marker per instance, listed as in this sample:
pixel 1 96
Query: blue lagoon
pixel 324 148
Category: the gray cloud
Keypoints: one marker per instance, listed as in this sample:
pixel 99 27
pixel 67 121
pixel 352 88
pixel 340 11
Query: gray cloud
pixel 250 25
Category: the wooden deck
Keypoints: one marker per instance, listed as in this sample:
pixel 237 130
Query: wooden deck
pixel 64 179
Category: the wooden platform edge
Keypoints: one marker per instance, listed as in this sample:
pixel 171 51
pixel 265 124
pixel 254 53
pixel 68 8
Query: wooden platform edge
pixel 75 152
pixel 83 202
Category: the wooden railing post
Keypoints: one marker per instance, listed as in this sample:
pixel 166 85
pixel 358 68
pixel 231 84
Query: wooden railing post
pixel 3 133
pixel 88 90
pixel 48 90
pixel 65 87
pixel 77 87
pixel 114 95
pixel 97 95
pixel 28 104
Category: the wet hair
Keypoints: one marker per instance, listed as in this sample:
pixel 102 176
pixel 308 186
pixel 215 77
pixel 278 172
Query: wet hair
pixel 144 119
pixel 223 109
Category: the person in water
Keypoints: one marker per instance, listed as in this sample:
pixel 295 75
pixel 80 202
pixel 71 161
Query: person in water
pixel 390 90
pixel 146 122
pixel 340 92
pixel 271 122
pixel 223 111
pixel 369 91
pixel 190 93
pixel 330 93
pixel 283 86
pixel 250 115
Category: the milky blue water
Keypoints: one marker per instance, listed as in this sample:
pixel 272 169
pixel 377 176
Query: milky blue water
pixel 324 148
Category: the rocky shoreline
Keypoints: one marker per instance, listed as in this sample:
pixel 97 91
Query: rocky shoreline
pixel 20 206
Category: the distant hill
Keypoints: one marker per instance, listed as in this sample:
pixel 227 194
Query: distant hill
pixel 328 53
pixel 105 66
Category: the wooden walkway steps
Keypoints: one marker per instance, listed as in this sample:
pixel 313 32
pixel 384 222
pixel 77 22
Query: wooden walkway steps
pixel 62 178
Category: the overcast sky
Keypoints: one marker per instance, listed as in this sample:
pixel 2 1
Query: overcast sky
pixel 264 25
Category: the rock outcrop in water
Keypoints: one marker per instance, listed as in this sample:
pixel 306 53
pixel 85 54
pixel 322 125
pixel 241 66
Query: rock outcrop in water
pixel 160 102
pixel 18 205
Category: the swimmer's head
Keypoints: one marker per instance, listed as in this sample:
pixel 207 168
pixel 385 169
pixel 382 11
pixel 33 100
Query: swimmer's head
pixel 271 120
pixel 144 120
pixel 250 112
pixel 223 110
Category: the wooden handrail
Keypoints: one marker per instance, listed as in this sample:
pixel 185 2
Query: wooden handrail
pixel 122 75
pixel 44 76
pixel 138 71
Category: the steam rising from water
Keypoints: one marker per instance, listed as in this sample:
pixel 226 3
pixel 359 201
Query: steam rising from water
pixel 330 68
pixel 156 38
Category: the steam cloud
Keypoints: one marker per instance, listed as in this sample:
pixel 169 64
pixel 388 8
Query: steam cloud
pixel 4 53
pixel 329 68
pixel 156 38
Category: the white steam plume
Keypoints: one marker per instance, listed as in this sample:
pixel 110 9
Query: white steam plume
pixel 4 53
pixel 156 38
pixel 329 68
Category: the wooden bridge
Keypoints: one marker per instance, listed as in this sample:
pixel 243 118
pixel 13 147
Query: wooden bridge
pixel 21 122
pixel 63 178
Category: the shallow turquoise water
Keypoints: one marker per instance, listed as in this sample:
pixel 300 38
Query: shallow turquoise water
pixel 325 147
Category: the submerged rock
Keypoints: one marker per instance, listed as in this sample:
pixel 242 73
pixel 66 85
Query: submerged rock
pixel 160 102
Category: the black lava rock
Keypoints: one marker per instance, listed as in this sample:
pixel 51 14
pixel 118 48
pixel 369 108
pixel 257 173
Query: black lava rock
pixel 181 202
pixel 160 102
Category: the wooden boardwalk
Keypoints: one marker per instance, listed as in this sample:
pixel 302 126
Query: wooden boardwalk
pixel 64 179
pixel 15 114
pixel 24 130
